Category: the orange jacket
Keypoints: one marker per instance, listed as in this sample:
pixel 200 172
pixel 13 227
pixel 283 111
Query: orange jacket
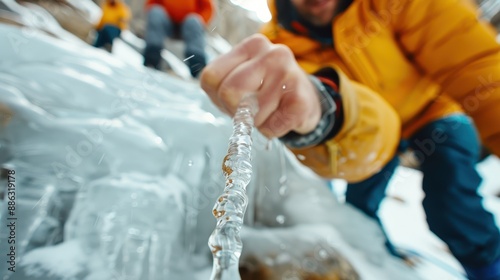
pixel 179 9
pixel 425 57
pixel 117 15
pixel 367 141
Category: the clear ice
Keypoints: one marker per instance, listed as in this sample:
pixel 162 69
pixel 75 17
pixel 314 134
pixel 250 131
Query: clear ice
pixel 229 210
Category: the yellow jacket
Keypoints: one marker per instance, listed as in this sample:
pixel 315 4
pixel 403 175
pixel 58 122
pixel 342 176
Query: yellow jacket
pixel 425 57
pixel 117 15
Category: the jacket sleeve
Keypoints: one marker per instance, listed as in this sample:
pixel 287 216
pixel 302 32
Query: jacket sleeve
pixel 367 141
pixel 369 136
pixel 206 10
pixel 448 43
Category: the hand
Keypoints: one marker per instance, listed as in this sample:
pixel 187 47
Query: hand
pixel 287 98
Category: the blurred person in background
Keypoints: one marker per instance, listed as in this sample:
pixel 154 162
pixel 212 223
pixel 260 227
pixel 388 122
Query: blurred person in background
pixel 115 18
pixel 432 61
pixel 186 19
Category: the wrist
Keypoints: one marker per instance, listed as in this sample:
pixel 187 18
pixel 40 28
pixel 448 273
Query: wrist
pixel 327 126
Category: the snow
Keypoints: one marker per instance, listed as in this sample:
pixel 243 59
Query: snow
pixel 66 259
pixel 124 163
pixel 404 217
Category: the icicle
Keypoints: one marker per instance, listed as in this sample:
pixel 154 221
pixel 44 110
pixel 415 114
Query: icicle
pixel 229 210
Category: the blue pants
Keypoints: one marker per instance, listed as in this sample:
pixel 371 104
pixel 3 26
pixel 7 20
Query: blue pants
pixel 159 26
pixel 447 150
pixel 106 36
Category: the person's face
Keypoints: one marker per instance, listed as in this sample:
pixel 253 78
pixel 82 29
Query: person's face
pixel 317 12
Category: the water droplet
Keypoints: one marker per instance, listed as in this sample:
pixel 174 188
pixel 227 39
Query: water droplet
pixel 190 163
pixel 283 191
pixel 372 156
pixel 283 180
pixel 301 157
pixel 323 254
pixel 280 219
pixel 284 87
pixel 158 140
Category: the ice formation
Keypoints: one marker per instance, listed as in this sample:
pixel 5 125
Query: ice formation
pixel 225 242
pixel 120 165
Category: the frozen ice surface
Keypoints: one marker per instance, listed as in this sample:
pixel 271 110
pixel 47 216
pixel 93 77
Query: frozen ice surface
pixel 138 233
pixel 67 260
pixel 86 121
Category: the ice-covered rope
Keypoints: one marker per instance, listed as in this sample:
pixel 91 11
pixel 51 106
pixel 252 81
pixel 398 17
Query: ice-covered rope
pixel 229 210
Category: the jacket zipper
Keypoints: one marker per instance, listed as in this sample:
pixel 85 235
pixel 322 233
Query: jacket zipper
pixel 333 150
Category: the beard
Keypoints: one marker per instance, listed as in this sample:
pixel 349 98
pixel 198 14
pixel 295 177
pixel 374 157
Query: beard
pixel 319 21
pixel 326 20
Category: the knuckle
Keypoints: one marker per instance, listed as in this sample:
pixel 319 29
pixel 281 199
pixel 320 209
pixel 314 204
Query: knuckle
pixel 258 40
pixel 255 42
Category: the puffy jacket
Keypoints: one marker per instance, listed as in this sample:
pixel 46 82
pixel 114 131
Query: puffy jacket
pixel 179 9
pixel 425 57
pixel 117 15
